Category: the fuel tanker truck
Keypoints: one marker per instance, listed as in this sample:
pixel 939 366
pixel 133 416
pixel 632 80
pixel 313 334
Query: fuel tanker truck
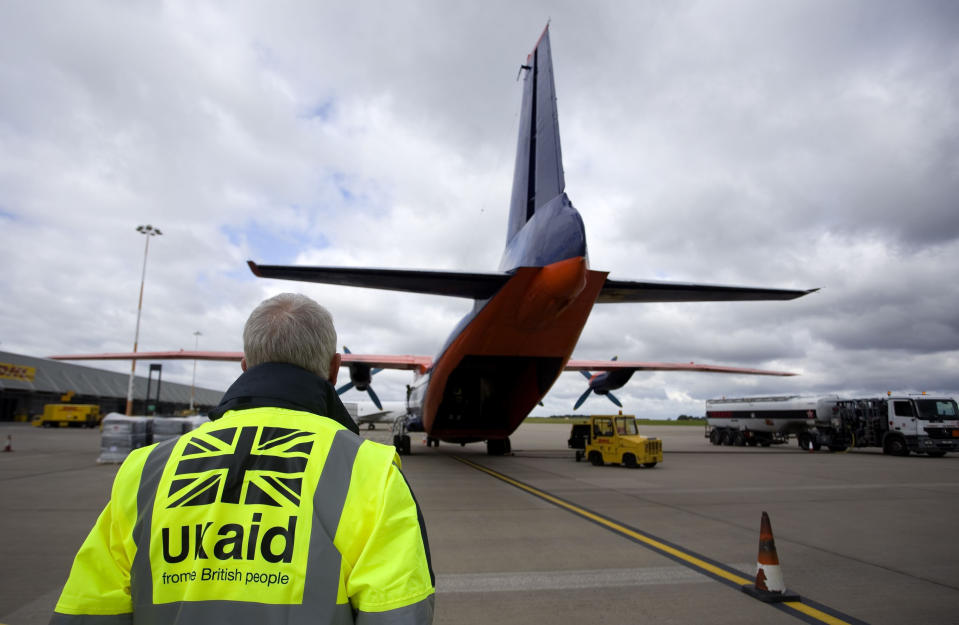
pixel 899 424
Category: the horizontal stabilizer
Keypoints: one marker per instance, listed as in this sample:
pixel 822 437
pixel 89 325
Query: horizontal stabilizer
pixel 450 283
pixel 610 365
pixel 627 291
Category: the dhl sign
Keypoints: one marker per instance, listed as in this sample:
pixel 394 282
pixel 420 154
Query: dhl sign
pixel 17 372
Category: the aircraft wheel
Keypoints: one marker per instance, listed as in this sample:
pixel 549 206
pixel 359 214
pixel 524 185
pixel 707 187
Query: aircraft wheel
pixel 371 426
pixel 497 446
pixel 596 458
pixel 630 461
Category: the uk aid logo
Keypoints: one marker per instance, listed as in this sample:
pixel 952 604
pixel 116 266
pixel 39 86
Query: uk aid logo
pixel 244 466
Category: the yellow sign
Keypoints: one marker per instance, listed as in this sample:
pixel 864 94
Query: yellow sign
pixel 17 372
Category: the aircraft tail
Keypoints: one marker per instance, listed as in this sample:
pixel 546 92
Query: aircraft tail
pixel 538 174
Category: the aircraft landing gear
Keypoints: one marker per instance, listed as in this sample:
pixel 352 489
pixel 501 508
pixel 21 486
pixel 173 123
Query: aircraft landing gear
pixel 370 426
pixel 498 447
pixel 401 440
pixel 432 442
pixel 402 444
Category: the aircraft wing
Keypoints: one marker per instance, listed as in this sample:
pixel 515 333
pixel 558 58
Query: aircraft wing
pixel 619 365
pixel 625 291
pixel 416 363
pixel 450 283
pixel 380 416
pixel 419 363
pixel 177 355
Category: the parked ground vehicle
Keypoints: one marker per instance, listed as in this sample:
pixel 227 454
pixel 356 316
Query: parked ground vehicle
pixel 578 435
pixel 899 424
pixel 760 420
pixel 615 439
pixel 68 415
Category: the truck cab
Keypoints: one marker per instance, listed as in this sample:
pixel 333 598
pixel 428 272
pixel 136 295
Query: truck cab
pixel 921 424
pixel 615 439
pixel 899 424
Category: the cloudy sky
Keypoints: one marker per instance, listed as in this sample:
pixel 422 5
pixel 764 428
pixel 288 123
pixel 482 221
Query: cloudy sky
pixel 794 144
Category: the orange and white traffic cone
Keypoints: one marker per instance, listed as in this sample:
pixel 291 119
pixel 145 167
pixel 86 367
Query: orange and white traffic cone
pixel 769 586
pixel 9 446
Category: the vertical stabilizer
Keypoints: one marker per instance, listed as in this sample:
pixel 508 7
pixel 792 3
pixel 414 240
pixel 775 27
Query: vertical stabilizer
pixel 538 176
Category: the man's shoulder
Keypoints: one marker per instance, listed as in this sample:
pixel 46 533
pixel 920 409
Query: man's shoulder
pixel 128 475
pixel 380 449
pixel 377 456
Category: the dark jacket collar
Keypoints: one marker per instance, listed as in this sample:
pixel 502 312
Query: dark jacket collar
pixel 281 385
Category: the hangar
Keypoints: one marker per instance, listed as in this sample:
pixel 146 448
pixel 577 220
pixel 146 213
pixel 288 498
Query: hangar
pixel 28 383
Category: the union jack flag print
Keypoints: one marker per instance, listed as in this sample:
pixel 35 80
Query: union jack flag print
pixel 250 464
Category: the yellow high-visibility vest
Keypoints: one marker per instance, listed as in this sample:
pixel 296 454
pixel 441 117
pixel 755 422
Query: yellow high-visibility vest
pixel 267 515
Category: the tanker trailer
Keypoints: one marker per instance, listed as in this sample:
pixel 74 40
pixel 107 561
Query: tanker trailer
pixel 766 420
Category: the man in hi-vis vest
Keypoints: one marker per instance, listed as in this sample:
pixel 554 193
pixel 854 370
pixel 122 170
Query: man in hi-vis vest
pixel 274 512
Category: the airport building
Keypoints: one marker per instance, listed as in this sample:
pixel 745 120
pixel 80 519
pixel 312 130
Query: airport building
pixel 28 383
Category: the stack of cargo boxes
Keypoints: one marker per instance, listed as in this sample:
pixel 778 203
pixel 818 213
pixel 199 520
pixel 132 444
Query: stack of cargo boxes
pixel 165 428
pixel 122 434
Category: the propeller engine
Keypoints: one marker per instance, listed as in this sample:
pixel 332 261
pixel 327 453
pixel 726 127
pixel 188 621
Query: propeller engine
pixel 361 378
pixel 603 383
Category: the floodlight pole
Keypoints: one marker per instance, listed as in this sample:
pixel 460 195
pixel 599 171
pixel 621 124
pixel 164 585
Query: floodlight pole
pixel 148 231
pixel 196 346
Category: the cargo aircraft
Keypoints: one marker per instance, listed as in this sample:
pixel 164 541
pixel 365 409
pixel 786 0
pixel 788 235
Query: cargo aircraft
pixel 506 353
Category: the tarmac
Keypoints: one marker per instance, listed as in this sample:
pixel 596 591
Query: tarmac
pixel 536 536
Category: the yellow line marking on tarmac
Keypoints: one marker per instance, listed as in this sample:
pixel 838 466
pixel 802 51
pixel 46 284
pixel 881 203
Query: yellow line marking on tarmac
pixel 690 559
pixel 819 615
pixel 736 579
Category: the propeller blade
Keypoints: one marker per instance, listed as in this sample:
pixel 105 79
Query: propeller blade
pixel 582 398
pixel 376 400
pixel 613 399
pixel 344 388
pixel 346 350
pixel 586 374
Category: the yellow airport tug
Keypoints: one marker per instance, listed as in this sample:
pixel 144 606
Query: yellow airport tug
pixel 614 439
pixel 68 415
